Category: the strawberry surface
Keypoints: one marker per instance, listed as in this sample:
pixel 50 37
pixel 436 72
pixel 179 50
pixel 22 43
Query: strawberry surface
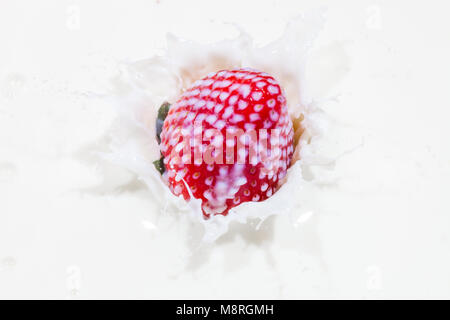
pixel 229 138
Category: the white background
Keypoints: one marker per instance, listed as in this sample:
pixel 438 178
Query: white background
pixel 72 226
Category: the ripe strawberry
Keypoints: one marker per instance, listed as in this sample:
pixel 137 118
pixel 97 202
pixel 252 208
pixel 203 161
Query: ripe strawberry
pixel 223 103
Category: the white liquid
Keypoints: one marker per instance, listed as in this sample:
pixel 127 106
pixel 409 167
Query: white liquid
pixel 148 83
pixel 372 224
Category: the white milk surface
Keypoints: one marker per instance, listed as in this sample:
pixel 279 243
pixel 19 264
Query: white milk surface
pixel 365 213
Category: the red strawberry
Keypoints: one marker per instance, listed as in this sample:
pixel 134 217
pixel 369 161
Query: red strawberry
pixel 219 170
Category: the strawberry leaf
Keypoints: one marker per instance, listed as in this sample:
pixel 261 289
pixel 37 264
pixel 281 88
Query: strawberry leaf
pixel 159 165
pixel 162 114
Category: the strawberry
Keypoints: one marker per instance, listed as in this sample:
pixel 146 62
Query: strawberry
pixel 229 138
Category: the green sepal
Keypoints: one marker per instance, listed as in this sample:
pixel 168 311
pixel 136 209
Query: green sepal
pixel 162 114
pixel 159 165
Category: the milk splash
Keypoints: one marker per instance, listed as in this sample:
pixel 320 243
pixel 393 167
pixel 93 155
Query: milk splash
pixel 144 85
